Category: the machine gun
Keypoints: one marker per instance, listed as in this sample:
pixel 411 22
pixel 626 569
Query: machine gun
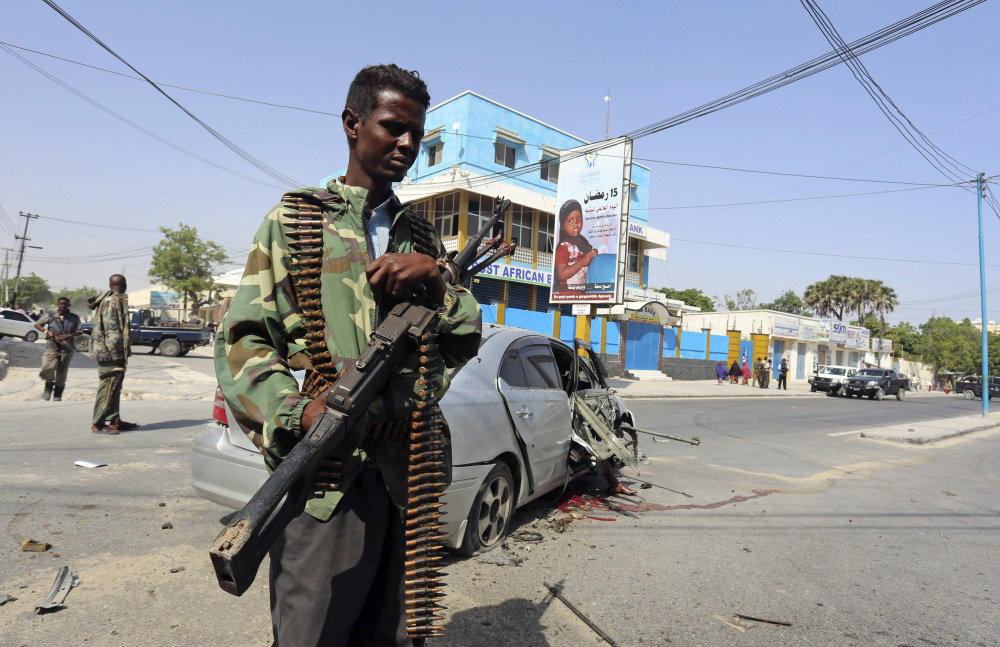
pixel 239 549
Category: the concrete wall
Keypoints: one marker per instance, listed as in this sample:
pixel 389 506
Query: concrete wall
pixel 680 368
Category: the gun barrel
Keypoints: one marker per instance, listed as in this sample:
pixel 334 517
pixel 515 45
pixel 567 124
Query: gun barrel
pixel 693 441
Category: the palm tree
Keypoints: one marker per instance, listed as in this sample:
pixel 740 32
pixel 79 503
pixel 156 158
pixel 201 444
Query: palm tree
pixel 883 301
pixel 824 297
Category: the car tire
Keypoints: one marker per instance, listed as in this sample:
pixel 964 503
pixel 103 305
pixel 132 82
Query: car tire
pixel 170 347
pixel 879 394
pixel 812 389
pixel 489 518
pixel 901 394
pixel 81 343
pixel 969 394
pixel 31 336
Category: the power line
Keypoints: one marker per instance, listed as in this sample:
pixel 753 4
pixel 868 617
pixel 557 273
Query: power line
pixel 131 123
pixel 830 254
pixel 783 173
pixel 168 85
pixel 280 177
pixel 816 197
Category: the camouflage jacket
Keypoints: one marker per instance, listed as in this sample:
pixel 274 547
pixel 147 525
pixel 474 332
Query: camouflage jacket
pixel 109 340
pixel 262 337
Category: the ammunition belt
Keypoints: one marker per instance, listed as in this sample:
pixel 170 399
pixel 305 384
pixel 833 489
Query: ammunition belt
pixel 424 428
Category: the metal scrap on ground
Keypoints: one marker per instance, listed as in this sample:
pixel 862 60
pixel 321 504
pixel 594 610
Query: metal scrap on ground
pixel 60 589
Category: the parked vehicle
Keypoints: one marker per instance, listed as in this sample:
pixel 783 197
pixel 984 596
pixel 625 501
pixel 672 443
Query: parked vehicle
pixel 17 324
pixel 971 387
pixel 877 383
pixel 171 338
pixel 516 428
pixel 832 379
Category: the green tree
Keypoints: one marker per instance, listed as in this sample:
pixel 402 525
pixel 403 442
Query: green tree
pixel 32 291
pixel 690 296
pixel 947 345
pixel 906 339
pixel 77 298
pixel 184 262
pixel 788 302
pixel 745 299
pixel 827 298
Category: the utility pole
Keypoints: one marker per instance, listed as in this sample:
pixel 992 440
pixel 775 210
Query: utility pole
pixel 20 255
pixel 980 189
pixel 6 273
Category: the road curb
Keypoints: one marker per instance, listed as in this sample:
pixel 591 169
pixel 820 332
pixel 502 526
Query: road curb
pixel 921 440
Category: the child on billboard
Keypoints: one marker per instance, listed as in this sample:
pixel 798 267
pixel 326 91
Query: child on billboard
pixel 574 253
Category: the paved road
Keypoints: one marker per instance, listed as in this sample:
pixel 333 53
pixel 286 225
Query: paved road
pixel 854 542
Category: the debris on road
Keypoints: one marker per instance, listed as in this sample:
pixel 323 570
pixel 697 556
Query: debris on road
pixel 90 464
pixel 771 622
pixel 557 592
pixel 34 546
pixel 735 624
pixel 167 526
pixel 60 589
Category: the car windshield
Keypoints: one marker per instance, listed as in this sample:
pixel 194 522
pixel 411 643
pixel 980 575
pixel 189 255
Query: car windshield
pixel 871 372
pixel 830 370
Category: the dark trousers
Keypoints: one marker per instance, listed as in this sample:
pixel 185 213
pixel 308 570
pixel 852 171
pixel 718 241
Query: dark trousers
pixel 109 393
pixel 783 381
pixel 340 582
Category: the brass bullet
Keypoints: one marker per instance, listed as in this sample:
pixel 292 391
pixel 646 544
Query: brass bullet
pixel 427 518
pixel 423 509
pixel 423 478
pixel 423 561
pixel 423 498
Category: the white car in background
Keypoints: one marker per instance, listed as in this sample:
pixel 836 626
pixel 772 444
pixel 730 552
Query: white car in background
pixel 17 324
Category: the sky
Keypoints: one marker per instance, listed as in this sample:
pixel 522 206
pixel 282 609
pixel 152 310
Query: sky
pixel 102 187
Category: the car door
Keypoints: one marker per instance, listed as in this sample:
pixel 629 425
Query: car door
pixel 539 408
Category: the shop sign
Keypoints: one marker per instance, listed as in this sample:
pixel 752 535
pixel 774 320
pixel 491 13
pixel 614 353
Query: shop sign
pixel 838 332
pixel 785 327
pixel 810 332
pixel 501 270
pixel 823 331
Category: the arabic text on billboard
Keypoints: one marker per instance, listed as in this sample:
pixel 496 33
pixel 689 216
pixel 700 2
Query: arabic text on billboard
pixel 592 223
pixel 160 299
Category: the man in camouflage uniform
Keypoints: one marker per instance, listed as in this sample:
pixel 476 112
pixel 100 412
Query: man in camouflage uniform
pixel 109 345
pixel 61 329
pixel 336 573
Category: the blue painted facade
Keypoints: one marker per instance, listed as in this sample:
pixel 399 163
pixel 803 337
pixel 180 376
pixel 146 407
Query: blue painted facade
pixel 482 122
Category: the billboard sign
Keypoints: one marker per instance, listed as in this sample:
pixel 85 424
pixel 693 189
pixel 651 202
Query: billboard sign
pixel 785 327
pixel 591 232
pixel 161 299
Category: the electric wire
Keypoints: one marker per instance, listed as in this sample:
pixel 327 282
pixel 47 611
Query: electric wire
pixel 781 173
pixel 168 85
pixel 268 170
pixel 941 161
pixel 131 123
pixel 758 248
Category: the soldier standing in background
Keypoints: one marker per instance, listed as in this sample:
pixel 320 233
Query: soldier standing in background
pixel 62 328
pixel 109 345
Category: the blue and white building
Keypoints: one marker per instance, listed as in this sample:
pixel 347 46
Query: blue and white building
pixel 475 149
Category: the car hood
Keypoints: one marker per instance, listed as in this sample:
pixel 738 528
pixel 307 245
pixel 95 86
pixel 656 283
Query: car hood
pixel 865 378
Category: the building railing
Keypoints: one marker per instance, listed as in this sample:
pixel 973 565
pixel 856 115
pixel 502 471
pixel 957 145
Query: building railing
pixel 632 278
pixel 544 260
pixel 450 243
pixel 522 255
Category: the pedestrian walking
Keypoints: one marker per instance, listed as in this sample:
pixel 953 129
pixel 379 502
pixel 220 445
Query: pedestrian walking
pixel 745 372
pixel 59 330
pixel 734 372
pixel 765 375
pixel 720 372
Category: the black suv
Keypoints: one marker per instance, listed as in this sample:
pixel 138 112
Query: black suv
pixel 971 387
pixel 877 383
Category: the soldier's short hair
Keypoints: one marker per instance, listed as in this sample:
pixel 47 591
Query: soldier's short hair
pixel 362 96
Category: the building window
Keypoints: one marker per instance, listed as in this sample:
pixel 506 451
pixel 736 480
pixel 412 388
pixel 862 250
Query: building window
pixel 505 154
pixel 480 210
pixel 550 169
pixel 520 226
pixel 422 208
pixel 634 252
pixel 545 232
pixel 446 215
pixel 434 153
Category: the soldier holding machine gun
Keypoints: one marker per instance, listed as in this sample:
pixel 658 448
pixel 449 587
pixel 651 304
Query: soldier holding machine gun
pixel 326 268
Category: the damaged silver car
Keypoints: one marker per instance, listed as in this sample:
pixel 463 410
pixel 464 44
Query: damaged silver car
pixel 527 415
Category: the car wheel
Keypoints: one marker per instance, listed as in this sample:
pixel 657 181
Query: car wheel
pixel 31 336
pixel 170 347
pixel 901 394
pixel 969 394
pixel 489 518
pixel 812 389
pixel 879 394
pixel 82 343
